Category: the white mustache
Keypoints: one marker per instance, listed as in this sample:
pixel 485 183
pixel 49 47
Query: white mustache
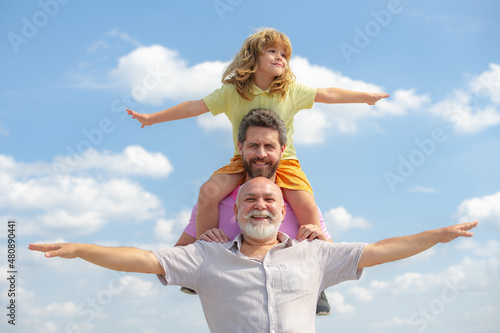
pixel 259 213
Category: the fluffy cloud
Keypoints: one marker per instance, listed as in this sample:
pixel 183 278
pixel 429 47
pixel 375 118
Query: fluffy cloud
pixel 312 126
pixel 155 73
pixel 341 220
pixel 169 230
pixel 337 302
pixel 80 203
pixel 486 209
pixel 475 108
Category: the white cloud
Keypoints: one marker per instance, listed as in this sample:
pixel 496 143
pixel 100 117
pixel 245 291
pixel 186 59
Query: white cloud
pixel 486 209
pixel 489 249
pixel 134 160
pixel 77 203
pixel 211 123
pixel 168 230
pixel 155 73
pixel 136 287
pixel 312 126
pixel 361 293
pixel 341 220
pixel 476 108
pixel 337 302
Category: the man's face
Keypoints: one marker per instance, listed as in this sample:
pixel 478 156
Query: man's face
pixel 259 209
pixel 261 152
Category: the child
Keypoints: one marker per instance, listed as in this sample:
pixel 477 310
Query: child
pixel 259 76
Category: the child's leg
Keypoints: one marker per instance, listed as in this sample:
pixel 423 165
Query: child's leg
pixel 303 205
pixel 211 194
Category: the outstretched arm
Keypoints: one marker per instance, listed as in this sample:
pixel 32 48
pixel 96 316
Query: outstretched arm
pixel 127 259
pixel 337 95
pixel 403 247
pixel 181 111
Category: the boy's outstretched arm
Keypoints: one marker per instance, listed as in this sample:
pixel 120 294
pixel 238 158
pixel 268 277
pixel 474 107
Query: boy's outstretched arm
pixel 338 95
pixel 181 111
pixel 403 247
pixel 126 259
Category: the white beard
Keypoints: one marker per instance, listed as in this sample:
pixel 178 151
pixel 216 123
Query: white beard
pixel 260 230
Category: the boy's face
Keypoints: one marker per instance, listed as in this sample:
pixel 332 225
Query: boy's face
pixel 273 60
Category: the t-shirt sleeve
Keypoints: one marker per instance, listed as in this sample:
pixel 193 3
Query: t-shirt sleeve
pixel 217 101
pixel 191 227
pixel 183 265
pixel 303 96
pixel 340 262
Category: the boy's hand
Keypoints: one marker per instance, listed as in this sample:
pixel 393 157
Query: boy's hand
pixel 63 250
pixel 375 97
pixel 142 117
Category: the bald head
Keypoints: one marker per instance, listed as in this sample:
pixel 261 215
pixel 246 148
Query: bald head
pixel 259 185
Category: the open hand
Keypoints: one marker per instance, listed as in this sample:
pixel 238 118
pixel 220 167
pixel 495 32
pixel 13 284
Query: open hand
pixel 375 97
pixel 142 117
pixel 63 250
pixel 458 230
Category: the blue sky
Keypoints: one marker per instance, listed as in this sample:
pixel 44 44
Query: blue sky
pixel 74 168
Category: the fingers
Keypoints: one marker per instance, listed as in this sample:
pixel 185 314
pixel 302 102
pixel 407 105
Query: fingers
pixel 51 250
pixel 215 235
pixel 465 227
pixel 310 232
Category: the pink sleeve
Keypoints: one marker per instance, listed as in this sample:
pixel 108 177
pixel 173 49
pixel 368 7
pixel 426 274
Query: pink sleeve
pixel 291 224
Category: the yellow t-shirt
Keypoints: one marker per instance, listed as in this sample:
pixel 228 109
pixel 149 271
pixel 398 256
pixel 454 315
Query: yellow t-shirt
pixel 227 100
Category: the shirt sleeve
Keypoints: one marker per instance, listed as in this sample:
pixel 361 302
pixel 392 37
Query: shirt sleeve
pixel 303 96
pixel 217 101
pixel 340 261
pixel 183 265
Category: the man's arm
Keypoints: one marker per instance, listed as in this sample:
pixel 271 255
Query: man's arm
pixel 127 259
pixel 403 247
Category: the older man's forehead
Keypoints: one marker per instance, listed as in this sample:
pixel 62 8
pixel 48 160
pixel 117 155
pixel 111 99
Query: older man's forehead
pixel 265 194
pixel 260 186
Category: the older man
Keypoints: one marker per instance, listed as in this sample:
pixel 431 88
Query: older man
pixel 262 281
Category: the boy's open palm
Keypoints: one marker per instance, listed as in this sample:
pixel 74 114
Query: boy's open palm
pixel 63 250
pixel 142 117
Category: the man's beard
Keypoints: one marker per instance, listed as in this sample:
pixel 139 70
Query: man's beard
pixel 268 172
pixel 260 230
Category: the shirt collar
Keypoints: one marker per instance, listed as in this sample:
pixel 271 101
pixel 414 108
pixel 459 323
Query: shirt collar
pixel 258 91
pixel 284 239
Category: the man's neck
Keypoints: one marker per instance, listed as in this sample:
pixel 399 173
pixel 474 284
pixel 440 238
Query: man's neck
pixel 257 248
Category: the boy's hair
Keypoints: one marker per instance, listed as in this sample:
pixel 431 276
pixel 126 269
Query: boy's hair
pixel 240 71
pixel 262 118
